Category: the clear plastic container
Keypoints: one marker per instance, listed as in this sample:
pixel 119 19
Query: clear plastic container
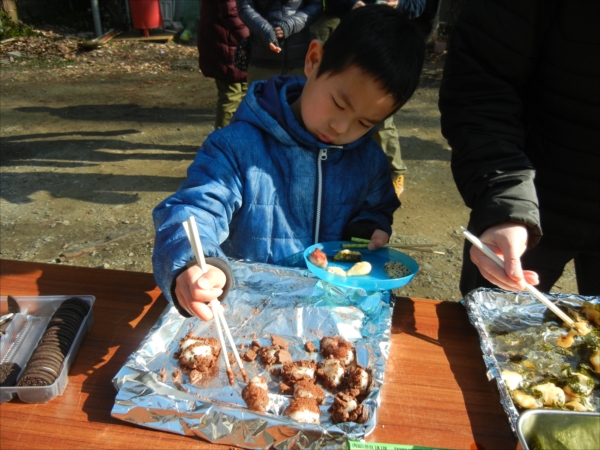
pixel 24 332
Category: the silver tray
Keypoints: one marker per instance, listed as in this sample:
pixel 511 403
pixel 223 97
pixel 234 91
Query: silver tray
pixel 267 300
pixel 536 423
pixel 494 312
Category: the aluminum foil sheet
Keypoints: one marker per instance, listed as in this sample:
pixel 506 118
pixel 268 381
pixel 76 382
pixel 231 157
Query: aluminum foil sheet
pixel 266 300
pixel 496 313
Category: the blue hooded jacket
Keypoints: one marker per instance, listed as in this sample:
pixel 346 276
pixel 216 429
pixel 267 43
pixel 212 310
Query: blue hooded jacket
pixel 263 188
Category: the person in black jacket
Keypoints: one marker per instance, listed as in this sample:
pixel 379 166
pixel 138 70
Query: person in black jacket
pixel 279 35
pixel 520 107
pixel 220 31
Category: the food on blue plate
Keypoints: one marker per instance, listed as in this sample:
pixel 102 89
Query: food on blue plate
pixel 359 269
pixel 348 256
pixel 395 269
pixel 318 258
pixel 336 271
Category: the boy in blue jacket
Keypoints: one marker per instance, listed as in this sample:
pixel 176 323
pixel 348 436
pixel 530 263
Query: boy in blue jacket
pixel 296 165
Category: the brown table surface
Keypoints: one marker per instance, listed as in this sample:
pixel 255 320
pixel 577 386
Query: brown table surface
pixel 436 393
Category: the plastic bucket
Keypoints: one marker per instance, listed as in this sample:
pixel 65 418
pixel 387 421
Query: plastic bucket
pixel 145 14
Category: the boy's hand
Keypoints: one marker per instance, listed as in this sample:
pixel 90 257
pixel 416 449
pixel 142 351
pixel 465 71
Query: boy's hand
pixel 274 48
pixel 195 289
pixel 378 239
pixel 509 241
pixel 358 4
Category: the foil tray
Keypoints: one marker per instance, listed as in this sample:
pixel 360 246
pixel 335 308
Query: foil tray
pixel 494 312
pixel 267 299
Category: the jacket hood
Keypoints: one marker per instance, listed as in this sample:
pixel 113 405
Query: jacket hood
pixel 266 105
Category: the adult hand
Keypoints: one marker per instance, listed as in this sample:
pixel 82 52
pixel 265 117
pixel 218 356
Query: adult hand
pixel 274 48
pixel 392 3
pixel 358 4
pixel 194 290
pixel 378 239
pixel 508 241
pixel 278 32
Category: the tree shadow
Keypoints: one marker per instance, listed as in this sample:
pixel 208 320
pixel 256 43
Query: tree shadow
pixel 19 188
pixel 125 113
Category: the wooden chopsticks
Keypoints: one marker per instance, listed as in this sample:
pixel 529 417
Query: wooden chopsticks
pixel 425 248
pixel 191 231
pixel 537 294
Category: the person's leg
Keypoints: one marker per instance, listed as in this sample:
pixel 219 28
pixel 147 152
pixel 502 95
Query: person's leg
pixel 228 99
pixel 387 136
pixel 587 270
pixel 255 73
pixel 324 27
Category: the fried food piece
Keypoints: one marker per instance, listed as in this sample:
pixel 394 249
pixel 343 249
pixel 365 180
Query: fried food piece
pixel 318 258
pixel 199 353
pixel 304 410
pixel 331 373
pixel 255 394
pixel 338 348
pixel 303 370
pixel 346 408
pixel 306 389
pixel 359 378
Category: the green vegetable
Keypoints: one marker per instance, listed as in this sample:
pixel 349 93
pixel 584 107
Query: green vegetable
pixel 354 245
pixel 580 436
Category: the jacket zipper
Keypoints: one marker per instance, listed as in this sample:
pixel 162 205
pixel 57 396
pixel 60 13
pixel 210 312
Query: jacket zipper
pixel 322 157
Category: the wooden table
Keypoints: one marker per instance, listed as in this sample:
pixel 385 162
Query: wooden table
pixel 436 393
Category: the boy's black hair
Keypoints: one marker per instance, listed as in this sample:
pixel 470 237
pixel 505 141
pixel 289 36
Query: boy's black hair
pixel 381 42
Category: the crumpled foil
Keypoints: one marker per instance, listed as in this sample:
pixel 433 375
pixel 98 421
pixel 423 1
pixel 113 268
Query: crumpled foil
pixel 266 300
pixel 494 312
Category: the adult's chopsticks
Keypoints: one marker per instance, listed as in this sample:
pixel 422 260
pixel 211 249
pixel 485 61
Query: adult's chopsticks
pixel 537 294
pixel 191 231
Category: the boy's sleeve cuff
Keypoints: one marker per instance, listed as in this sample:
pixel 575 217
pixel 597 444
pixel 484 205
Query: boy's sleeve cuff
pixel 360 229
pixel 217 262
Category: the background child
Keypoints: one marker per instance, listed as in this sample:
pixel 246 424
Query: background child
pixel 220 31
pixel 279 35
pixel 296 165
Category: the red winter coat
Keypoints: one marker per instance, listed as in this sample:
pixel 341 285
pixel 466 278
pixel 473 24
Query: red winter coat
pixel 219 32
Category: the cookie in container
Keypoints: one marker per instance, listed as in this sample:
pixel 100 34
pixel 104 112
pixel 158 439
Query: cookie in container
pixel 40 344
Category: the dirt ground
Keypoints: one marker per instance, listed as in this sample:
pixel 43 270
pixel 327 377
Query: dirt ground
pixel 92 141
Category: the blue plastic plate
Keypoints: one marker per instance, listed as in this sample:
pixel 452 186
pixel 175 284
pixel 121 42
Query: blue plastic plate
pixel 376 280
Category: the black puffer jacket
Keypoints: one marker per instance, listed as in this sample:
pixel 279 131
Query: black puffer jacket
pixel 293 16
pixel 520 98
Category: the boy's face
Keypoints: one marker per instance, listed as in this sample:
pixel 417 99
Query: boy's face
pixel 341 108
